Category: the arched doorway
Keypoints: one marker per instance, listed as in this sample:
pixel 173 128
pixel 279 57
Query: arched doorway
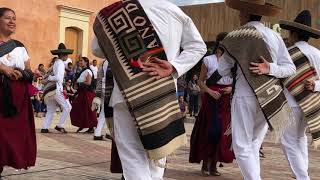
pixel 73 40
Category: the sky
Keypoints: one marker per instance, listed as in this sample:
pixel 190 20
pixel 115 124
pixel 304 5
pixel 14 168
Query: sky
pixel 194 2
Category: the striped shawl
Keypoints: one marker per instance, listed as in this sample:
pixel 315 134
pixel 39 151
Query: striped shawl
pixel 307 100
pixel 127 38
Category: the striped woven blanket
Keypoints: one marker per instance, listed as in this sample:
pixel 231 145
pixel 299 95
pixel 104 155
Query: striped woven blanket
pixel 49 86
pixel 246 45
pixel 127 38
pixel 307 100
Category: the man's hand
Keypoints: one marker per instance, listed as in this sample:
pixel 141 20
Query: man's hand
pixel 158 68
pixel 260 68
pixel 215 94
pixel 310 84
pixel 96 104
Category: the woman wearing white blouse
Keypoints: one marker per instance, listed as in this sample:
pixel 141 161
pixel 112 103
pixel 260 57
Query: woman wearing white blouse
pixel 81 114
pixel 18 147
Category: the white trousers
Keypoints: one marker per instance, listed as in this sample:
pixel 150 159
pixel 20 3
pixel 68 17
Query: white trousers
pixel 52 105
pixel 249 128
pixel 135 163
pixel 295 146
pixel 101 121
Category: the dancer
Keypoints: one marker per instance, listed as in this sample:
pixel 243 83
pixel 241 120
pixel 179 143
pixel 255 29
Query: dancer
pixel 148 124
pixel 261 58
pixel 304 99
pixel 81 114
pixel 54 95
pixel 101 101
pixel 18 147
pixel 211 137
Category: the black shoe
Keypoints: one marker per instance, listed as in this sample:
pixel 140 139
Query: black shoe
pixel 79 129
pixel 60 129
pixel 122 178
pixel 215 173
pixel 204 169
pixel 90 130
pixel 108 136
pixel 44 131
pixel 98 138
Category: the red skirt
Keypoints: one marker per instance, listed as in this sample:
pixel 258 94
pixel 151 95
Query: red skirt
pixel 18 146
pixel 81 114
pixel 208 138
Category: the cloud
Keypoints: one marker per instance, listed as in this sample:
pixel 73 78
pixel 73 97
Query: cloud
pixel 194 2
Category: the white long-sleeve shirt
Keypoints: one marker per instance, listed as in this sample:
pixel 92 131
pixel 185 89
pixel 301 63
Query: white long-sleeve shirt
pixel 58 71
pixel 313 55
pixel 176 30
pixel 281 67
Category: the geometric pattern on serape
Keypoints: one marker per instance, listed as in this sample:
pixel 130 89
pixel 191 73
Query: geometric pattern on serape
pixel 121 22
pixel 307 100
pixel 123 26
pixel 132 44
pixel 245 31
pixel 127 37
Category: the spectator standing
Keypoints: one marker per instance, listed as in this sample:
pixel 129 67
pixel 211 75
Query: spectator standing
pixel 194 91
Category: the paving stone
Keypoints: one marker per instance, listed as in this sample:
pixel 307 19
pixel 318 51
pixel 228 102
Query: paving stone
pixel 75 156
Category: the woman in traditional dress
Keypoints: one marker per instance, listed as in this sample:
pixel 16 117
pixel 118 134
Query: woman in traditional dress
pixel 17 130
pixel 81 114
pixel 211 135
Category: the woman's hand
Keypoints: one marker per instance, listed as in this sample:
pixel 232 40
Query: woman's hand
pixel 16 75
pixel 215 94
pixel 227 90
pixel 8 71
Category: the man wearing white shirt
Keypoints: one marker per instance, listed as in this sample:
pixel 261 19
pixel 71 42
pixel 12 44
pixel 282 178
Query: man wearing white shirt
pixel 94 68
pixel 60 98
pixel 249 124
pixel 294 140
pixel 103 98
pixel 175 30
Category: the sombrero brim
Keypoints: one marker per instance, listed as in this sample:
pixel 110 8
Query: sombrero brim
pixel 255 9
pixel 294 26
pixel 61 51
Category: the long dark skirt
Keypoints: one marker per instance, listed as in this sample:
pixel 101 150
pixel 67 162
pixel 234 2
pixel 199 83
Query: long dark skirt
pixel 211 135
pixel 81 114
pixel 18 146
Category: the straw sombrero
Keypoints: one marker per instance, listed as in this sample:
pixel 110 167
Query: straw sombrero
pixel 255 7
pixel 61 50
pixel 301 24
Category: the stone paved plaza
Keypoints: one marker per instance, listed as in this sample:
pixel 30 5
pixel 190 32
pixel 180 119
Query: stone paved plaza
pixel 77 157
